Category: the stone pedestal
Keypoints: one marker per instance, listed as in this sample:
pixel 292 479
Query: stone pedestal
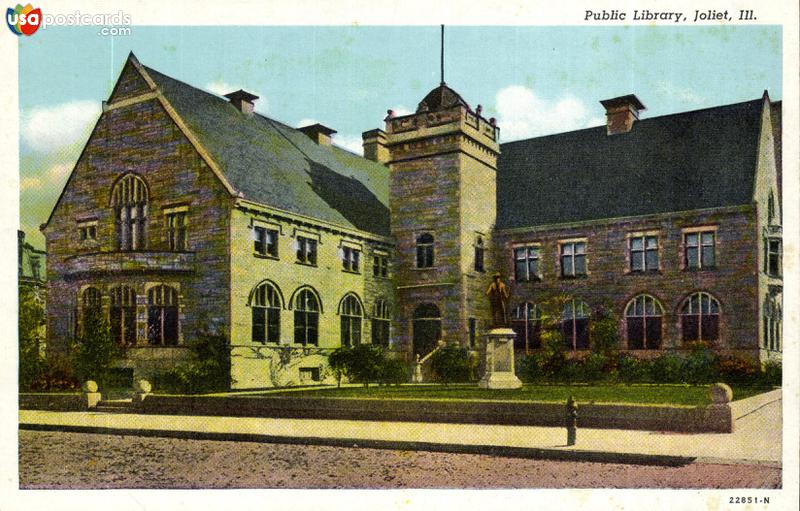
pixel 500 361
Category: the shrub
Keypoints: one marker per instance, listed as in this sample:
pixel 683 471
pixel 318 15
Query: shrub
pixel 209 371
pixel 738 370
pixel 530 368
pixel 451 364
pixel 339 362
pixel 365 362
pixel 633 370
pixel 571 372
pixel 553 357
pixel 595 367
pixel 94 350
pixel 30 322
pixel 604 331
pixel 700 366
pixel 772 374
pixel 668 368
pixel 55 374
pixel 393 371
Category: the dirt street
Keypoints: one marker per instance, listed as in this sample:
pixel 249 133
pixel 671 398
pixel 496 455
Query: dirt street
pixel 79 460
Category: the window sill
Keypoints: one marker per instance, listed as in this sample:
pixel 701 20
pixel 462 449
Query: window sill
pixel 644 272
pixel 425 268
pixel 301 263
pixel 535 279
pixel 696 270
pixel 384 277
pixel 351 272
pixel 265 256
pixel 575 277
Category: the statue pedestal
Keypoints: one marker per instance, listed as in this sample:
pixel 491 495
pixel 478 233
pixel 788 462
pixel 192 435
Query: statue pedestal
pixel 500 361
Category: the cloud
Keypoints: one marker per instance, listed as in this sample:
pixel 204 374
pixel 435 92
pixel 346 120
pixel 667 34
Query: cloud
pixel 352 143
pixel 401 110
pixel 49 129
pixel 52 177
pixel 221 88
pixel 683 94
pixel 523 114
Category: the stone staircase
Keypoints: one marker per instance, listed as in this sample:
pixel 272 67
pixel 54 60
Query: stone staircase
pixel 115 406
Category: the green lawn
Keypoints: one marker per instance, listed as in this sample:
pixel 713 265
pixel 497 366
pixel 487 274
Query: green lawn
pixel 688 395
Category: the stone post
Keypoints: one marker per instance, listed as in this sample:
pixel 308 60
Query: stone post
pixel 572 421
pixel 499 372
pixel 142 389
pixel 90 394
pixel 719 415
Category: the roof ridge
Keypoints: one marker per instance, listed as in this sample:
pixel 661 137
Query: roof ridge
pixel 641 121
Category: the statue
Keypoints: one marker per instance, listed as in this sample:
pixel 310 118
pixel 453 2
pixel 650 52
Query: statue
pixel 498 302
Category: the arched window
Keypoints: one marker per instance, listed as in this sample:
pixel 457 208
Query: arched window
pixel 575 325
pixel 123 315
pixel 773 317
pixel 380 323
pixel 265 304
pixel 700 318
pixel 427 328
pixel 425 250
pixel 526 320
pixel 643 321
pixel 351 313
pixel 129 200
pixel 162 316
pixel 306 318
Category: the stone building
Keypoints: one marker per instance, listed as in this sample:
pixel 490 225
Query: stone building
pixel 188 212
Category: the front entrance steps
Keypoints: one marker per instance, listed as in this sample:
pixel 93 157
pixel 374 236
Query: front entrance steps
pixel 115 406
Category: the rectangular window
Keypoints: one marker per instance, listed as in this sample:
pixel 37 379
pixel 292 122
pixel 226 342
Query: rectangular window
pixel 774 258
pixel 88 232
pixel 306 251
pixel 351 258
pixel 308 374
pixel 266 241
pixel 526 263
pixel 176 230
pixel 479 256
pixel 699 249
pixel 473 331
pixel 644 253
pixel 573 259
pixel 380 332
pixel 380 266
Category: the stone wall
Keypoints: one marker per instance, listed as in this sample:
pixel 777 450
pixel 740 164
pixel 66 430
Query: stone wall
pixel 733 281
pixel 138 137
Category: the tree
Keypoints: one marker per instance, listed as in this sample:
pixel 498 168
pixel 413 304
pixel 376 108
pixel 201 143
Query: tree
pixel 30 323
pixel 95 349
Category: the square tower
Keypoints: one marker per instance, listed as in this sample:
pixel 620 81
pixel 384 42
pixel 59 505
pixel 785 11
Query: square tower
pixel 443 164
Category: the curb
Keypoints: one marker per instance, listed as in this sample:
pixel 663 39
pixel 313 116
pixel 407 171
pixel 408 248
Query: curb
pixel 490 450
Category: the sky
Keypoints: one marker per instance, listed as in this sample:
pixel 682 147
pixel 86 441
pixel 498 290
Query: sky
pixel 534 80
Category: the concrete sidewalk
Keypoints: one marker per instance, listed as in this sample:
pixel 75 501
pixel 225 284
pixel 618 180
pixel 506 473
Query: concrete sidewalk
pixel 756 438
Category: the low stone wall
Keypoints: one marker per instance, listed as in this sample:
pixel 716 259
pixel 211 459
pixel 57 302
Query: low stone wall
pixel 714 418
pixel 58 402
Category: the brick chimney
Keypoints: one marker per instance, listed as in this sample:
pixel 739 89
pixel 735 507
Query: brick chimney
pixel 318 133
pixel 621 112
pixel 375 146
pixel 242 100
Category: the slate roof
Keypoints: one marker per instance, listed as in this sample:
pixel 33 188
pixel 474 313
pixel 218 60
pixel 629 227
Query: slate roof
pixel 692 160
pixel 441 98
pixel 273 164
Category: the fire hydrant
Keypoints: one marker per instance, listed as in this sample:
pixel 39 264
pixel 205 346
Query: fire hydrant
pixel 572 420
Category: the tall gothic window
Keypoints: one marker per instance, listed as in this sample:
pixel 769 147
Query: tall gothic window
pixel 306 318
pixel 575 325
pixel 380 323
pixel 129 200
pixel 91 304
pixel 700 318
pixel 425 250
pixel 162 316
pixel 643 320
pixel 266 310
pixel 351 313
pixel 526 320
pixel 123 315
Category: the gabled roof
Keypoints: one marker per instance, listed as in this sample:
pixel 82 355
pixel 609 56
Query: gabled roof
pixel 686 161
pixel 273 164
